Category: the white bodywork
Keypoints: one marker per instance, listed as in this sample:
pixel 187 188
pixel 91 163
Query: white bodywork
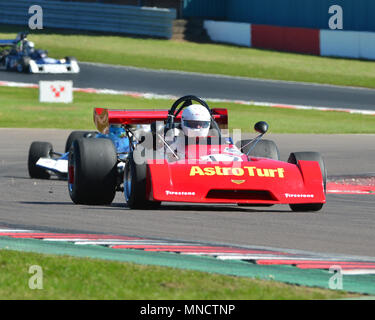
pixel 55 165
pixel 71 67
pixel 61 165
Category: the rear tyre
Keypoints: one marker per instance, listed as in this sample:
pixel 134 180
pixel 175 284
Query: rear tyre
pixel 92 171
pixel 309 156
pixel 24 64
pixel 263 149
pixel 38 150
pixel 77 135
pixel 70 59
pixel 135 182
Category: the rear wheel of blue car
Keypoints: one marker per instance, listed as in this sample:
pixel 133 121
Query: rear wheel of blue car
pixel 38 150
pixel 74 135
pixel 92 171
pixel 135 184
pixel 309 156
pixel 23 65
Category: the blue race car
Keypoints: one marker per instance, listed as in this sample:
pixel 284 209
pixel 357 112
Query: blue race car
pixel 43 160
pixel 20 55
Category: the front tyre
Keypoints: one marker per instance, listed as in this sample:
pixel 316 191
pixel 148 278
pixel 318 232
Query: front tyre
pixel 92 171
pixel 38 150
pixel 309 156
pixel 135 182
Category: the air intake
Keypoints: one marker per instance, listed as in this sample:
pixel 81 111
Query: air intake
pixel 240 195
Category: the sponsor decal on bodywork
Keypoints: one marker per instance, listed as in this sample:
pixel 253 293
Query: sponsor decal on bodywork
pixel 238 181
pixel 179 193
pixel 239 172
pixel 290 195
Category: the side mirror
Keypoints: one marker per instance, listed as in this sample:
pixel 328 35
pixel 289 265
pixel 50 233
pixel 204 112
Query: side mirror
pixel 261 127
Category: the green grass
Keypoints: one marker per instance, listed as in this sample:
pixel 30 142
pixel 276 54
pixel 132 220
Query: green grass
pixel 80 278
pixel 205 58
pixel 20 108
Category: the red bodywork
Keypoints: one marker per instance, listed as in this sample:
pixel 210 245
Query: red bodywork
pixel 250 181
pixel 257 181
pixel 104 117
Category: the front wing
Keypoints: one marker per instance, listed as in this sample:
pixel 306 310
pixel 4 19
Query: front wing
pixel 259 181
pixel 59 165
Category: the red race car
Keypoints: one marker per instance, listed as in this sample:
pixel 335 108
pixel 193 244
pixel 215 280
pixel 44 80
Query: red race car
pixel 167 164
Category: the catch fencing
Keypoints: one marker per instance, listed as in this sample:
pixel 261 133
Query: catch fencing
pixel 144 21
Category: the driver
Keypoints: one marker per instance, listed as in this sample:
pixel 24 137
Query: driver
pixel 195 123
pixel 29 47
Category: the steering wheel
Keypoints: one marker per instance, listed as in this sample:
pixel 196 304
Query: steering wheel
pixel 186 101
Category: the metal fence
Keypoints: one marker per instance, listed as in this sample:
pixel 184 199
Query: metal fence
pixel 144 21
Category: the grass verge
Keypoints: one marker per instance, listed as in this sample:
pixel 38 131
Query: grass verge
pixel 20 108
pixel 67 278
pixel 205 58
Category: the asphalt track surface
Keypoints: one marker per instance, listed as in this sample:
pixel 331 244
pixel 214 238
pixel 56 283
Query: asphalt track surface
pixel 176 83
pixel 345 225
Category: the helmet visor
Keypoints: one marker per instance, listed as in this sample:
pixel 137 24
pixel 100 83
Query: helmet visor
pixel 195 124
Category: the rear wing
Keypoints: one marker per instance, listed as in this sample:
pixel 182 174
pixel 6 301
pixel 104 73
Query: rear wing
pixel 7 43
pixel 103 118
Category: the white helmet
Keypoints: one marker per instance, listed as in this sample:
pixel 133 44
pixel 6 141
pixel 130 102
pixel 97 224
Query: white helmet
pixel 29 46
pixel 196 121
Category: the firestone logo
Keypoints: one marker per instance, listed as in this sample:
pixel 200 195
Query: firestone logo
pixel 179 193
pixel 289 195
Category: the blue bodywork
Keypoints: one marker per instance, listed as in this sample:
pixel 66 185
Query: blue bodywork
pixel 20 56
pixel 119 139
pixel 116 134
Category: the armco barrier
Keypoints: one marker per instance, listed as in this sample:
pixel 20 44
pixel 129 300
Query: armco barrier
pixel 334 43
pixel 347 44
pixel 299 40
pixel 92 17
pixel 342 44
pixel 229 32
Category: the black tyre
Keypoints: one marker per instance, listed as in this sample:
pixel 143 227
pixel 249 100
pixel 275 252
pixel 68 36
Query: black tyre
pixel 3 56
pixel 38 150
pixel 92 171
pixel 24 64
pixel 77 135
pixel 309 156
pixel 135 176
pixel 263 149
pixel 70 59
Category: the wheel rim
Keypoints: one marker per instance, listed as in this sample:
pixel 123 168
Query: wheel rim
pixel 71 172
pixel 19 68
pixel 127 183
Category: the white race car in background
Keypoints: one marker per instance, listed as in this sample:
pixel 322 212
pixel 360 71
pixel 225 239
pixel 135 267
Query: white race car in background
pixel 20 55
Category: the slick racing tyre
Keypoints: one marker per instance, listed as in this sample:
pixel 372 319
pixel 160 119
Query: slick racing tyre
pixel 135 182
pixel 76 135
pixel 263 149
pixel 70 59
pixel 92 171
pixel 24 64
pixel 309 156
pixel 38 150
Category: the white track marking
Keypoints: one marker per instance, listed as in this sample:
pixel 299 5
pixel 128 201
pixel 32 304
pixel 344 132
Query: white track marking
pixel 148 95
